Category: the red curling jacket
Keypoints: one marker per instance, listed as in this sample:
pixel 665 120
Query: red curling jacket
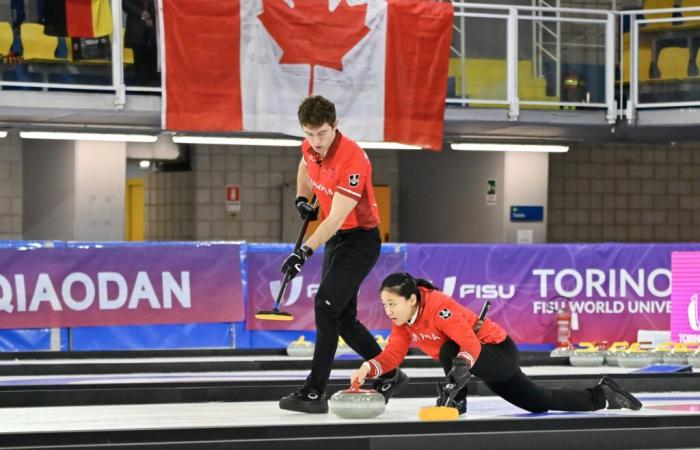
pixel 439 318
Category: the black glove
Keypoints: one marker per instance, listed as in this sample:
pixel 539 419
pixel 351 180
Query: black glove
pixel 456 380
pixel 294 262
pixel 306 209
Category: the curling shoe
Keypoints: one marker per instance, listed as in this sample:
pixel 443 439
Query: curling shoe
pixel 389 387
pixel 310 402
pixel 617 397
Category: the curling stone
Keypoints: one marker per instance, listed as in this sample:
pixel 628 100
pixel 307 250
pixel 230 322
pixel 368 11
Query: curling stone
pixel 562 352
pixel 300 348
pixel 635 357
pixel 659 353
pixel 343 348
pixel 694 359
pixel 678 355
pixel 587 356
pixel 356 403
pixel 614 351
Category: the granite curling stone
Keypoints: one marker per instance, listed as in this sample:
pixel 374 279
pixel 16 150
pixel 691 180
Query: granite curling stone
pixel 356 403
pixel 561 352
pixel 587 356
pixel 678 355
pixel 343 348
pixel 694 359
pixel 300 348
pixel 660 352
pixel 635 360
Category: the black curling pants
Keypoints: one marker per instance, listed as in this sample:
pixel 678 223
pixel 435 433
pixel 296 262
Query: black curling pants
pixel 348 258
pixel 499 368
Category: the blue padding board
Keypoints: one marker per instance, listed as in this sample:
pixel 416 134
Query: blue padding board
pixel 23 340
pixel 141 337
pixel 664 368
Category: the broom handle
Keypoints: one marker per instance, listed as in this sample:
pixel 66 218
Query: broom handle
pixel 304 227
pixel 297 246
pixel 482 316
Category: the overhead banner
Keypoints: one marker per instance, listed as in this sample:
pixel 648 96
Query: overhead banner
pixel 685 315
pixel 610 290
pixel 263 264
pixel 120 285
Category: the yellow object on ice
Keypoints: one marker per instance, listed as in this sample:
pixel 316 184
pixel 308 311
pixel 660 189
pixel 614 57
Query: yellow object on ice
pixel 438 413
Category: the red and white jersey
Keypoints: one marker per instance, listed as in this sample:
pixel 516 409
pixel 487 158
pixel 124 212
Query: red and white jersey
pixel 440 318
pixel 345 170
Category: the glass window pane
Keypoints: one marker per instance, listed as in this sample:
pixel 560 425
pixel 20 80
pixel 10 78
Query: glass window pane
pixel 565 62
pixel 140 43
pixel 477 62
pixel 667 61
pixel 40 45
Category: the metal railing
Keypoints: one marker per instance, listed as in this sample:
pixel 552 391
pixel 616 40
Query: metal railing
pixel 538 14
pixel 633 101
pixel 618 99
pixel 540 48
pixel 117 85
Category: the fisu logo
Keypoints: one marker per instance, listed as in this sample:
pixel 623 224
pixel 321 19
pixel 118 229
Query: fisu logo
pixel 449 287
pixel 693 313
pixel 295 292
pixel 481 291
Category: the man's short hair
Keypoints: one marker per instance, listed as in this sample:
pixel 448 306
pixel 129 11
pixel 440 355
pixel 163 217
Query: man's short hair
pixel 316 110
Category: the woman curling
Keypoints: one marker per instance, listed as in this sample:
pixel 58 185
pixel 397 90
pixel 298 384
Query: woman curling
pixel 444 330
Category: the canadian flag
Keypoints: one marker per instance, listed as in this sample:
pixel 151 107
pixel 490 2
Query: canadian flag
pixel 233 65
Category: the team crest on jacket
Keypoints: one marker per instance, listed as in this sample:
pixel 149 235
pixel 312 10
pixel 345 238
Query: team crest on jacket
pixel 354 179
pixel 445 313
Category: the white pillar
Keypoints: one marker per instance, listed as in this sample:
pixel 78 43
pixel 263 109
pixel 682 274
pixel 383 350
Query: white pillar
pixel 74 190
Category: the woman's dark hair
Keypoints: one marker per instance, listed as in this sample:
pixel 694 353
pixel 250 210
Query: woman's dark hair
pixel 405 285
pixel 315 110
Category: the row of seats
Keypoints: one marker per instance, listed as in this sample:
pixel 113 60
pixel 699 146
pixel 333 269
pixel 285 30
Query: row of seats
pixel 667 50
pixel 665 4
pixel 487 79
pixel 39 46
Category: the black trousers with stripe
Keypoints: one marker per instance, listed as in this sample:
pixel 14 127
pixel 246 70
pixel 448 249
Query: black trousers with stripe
pixel 348 259
pixel 498 366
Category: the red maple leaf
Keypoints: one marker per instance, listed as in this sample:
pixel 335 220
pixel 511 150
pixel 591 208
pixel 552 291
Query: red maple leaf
pixel 311 34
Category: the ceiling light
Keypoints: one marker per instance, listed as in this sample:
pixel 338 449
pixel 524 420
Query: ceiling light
pixel 214 140
pixel 3 134
pixel 509 147
pixel 112 137
pixel 144 164
pixel 387 146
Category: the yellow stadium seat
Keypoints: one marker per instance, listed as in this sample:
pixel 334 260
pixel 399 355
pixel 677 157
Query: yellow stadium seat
pixel 673 63
pixel 691 18
pixel 5 37
pixel 689 4
pixel 658 4
pixel 643 60
pixel 37 45
pixel 486 79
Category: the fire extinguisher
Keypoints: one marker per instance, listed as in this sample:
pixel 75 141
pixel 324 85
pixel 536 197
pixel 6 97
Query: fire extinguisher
pixel 563 328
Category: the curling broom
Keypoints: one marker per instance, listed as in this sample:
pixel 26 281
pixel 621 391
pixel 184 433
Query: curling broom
pixel 275 313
